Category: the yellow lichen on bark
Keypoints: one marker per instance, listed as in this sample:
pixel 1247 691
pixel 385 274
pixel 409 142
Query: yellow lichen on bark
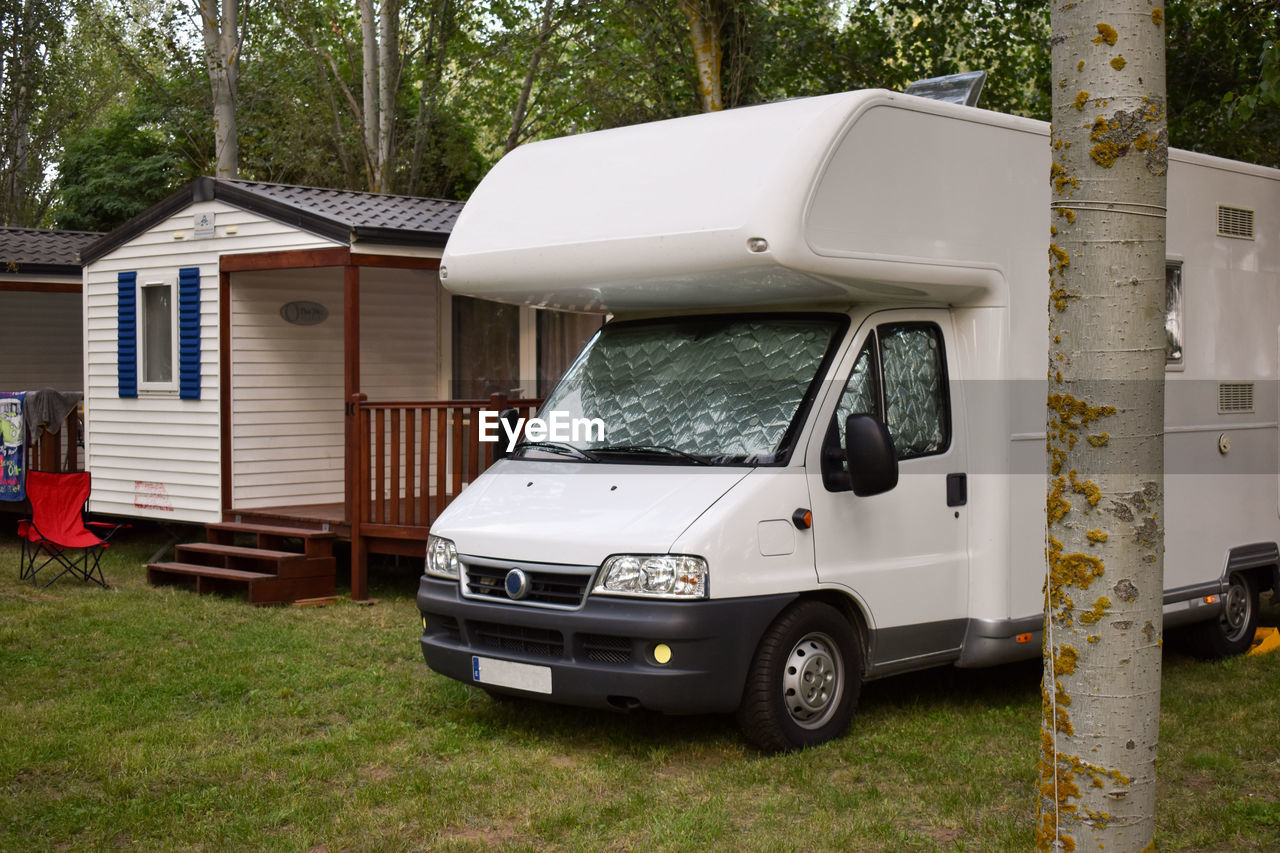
pixel 1095 614
pixel 1107 34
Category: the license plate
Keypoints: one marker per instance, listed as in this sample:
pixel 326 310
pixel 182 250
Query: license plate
pixel 505 673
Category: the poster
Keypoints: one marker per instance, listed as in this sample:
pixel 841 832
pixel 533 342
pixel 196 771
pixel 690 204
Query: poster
pixel 12 446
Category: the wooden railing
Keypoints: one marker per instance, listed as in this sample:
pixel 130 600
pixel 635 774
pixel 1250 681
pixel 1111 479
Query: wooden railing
pixel 57 452
pixel 415 457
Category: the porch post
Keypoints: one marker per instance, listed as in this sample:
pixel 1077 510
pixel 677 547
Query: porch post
pixel 351 374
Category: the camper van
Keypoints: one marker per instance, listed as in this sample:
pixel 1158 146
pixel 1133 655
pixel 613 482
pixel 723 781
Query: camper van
pixel 822 394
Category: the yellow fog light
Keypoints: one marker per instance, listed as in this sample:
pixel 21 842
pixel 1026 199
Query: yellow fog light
pixel 662 653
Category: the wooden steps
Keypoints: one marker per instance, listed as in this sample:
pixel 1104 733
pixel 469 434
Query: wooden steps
pixel 273 564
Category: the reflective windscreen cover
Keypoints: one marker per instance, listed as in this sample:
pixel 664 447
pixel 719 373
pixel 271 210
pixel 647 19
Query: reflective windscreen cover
pixel 726 389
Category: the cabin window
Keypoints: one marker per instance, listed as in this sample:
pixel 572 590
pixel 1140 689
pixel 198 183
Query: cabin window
pixel 157 343
pixel 486 349
pixel 900 377
pixel 1173 329
pixel 561 336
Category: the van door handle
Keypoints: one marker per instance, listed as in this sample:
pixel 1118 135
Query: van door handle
pixel 957 490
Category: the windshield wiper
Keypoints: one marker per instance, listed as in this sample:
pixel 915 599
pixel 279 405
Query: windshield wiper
pixel 558 448
pixel 652 450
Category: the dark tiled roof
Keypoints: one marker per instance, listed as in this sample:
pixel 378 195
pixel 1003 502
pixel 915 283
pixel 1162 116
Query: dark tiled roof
pixel 36 250
pixel 342 216
pixel 363 210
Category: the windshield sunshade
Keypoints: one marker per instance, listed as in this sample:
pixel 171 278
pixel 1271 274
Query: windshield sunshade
pixel 723 389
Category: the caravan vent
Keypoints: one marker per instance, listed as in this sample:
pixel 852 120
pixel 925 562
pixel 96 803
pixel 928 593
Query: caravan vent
pixel 1235 222
pixel 1235 397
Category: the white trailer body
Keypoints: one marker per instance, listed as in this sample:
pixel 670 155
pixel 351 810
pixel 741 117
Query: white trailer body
pixel 911 234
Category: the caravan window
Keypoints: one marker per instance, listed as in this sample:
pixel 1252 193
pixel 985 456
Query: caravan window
pixel 1173 313
pixel 157 342
pixel 561 336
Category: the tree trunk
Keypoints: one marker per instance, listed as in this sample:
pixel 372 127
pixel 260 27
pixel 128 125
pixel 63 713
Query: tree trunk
pixel 220 27
pixel 1105 420
pixel 370 100
pixel 546 28
pixel 388 83
pixel 436 42
pixel 704 33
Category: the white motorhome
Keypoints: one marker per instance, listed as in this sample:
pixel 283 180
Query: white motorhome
pixel 772 270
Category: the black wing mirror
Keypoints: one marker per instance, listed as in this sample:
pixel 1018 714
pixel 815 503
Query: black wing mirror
pixel 873 466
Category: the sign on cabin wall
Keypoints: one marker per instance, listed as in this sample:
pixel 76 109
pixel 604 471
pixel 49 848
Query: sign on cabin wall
pixel 12 446
pixel 202 226
pixel 304 313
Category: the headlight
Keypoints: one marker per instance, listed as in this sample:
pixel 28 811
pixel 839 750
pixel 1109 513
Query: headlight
pixel 442 558
pixel 654 576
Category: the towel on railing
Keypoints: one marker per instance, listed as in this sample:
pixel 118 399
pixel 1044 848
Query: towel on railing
pixel 48 408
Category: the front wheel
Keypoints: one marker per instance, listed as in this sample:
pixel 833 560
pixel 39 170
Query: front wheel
pixel 803 684
pixel 1232 632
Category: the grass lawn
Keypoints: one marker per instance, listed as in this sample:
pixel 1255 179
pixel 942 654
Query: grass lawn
pixel 151 718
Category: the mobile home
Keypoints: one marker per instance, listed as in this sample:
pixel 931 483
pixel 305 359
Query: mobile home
pixel 283 357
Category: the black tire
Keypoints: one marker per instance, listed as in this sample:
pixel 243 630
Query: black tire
pixel 802 687
pixel 1232 632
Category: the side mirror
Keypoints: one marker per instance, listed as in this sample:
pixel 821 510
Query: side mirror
pixel 510 417
pixel 873 466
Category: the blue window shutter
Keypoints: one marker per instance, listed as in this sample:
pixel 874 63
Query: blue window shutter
pixel 127 333
pixel 189 333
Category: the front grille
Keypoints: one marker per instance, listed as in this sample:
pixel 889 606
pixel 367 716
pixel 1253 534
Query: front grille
pixel 538 642
pixel 556 588
pixel 602 648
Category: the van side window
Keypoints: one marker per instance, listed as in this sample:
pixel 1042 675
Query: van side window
pixel 862 391
pixel 900 377
pixel 915 394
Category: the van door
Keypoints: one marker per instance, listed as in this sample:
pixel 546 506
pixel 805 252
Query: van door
pixel 903 553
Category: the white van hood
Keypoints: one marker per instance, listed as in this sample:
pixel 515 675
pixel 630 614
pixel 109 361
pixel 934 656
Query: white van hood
pixel 575 513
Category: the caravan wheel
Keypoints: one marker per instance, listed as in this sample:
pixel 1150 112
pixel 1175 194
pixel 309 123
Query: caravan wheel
pixel 1232 632
pixel 804 681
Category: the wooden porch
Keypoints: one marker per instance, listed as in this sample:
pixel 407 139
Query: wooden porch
pixel 411 459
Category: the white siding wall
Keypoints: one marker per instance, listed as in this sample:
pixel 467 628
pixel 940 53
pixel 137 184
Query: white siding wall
pixel 287 391
pixel 399 334
pixel 287 398
pixel 41 345
pixel 158 456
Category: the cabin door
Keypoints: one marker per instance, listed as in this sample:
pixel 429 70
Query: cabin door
pixel 904 553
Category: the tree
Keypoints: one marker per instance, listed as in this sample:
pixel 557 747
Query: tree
pixel 704 18
pixel 220 27
pixel 1105 514
pixel 1224 78
pixel 115 171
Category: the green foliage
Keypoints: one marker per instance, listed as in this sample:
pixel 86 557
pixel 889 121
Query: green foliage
pixel 929 38
pixel 1224 78
pixel 602 65
pixel 117 170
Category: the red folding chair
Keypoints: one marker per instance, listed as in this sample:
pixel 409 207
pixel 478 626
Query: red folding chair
pixel 57 536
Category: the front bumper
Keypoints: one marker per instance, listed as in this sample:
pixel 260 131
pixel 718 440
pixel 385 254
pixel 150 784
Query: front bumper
pixel 602 655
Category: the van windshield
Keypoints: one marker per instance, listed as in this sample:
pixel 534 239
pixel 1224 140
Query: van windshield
pixel 696 390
